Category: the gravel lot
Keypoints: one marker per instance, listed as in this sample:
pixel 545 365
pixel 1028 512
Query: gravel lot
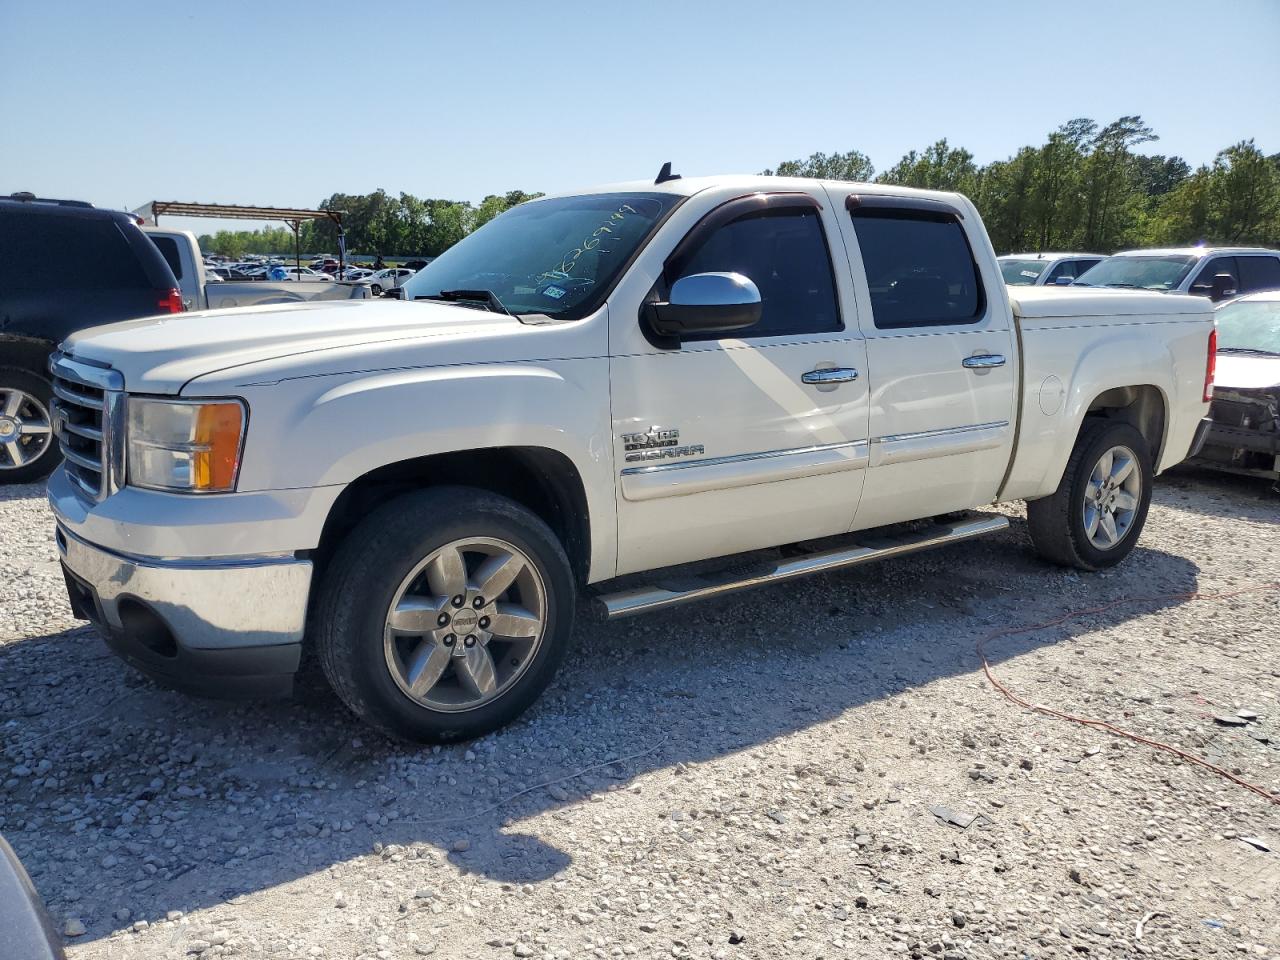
pixel 760 775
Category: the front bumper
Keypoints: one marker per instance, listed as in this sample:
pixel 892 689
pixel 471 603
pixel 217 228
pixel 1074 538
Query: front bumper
pixel 225 626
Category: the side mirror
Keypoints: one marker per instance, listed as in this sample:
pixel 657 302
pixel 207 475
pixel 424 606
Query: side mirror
pixel 1064 281
pixel 707 303
pixel 1224 286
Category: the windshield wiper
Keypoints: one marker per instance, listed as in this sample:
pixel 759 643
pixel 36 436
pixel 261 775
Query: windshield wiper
pixel 1255 351
pixel 487 297
pixel 1128 285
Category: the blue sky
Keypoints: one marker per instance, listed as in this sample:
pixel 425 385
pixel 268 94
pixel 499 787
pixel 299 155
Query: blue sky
pixel 284 103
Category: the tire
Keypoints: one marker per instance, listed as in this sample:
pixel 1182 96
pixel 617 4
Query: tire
pixel 387 560
pixel 376 288
pixel 25 404
pixel 1058 523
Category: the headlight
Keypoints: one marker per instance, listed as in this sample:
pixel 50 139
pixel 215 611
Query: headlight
pixel 185 446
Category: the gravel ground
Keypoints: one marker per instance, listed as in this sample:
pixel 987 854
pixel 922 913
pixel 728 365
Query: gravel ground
pixel 760 775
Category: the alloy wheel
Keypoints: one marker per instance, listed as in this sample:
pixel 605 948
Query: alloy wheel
pixel 1111 497
pixel 25 428
pixel 465 624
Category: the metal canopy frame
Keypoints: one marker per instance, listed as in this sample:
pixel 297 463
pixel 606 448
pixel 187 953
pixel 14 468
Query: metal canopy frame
pixel 294 217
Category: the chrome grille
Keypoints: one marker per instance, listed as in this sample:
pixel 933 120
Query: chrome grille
pixel 87 404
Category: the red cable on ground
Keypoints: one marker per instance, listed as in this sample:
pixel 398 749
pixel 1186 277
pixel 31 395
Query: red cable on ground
pixel 1102 724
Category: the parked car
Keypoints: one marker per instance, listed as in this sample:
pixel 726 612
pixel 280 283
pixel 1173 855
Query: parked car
pixel 1218 273
pixel 388 279
pixel 590 386
pixel 182 252
pixel 64 266
pixel 299 274
pixel 28 930
pixel 1045 269
pixel 1245 435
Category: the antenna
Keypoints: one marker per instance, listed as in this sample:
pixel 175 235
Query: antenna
pixel 665 174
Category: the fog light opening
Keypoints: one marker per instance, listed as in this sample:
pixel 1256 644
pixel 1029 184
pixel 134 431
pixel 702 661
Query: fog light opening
pixel 142 624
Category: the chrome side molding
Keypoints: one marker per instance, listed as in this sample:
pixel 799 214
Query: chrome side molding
pixel 867 546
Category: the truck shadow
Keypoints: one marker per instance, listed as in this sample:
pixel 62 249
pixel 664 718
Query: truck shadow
pixel 139 799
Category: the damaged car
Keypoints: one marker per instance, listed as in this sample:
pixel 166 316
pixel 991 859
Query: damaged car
pixel 1245 435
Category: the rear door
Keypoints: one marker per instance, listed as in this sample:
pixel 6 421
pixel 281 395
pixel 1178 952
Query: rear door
pixel 940 356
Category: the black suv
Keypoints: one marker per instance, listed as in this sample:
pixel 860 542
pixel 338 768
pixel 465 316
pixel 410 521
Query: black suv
pixel 64 266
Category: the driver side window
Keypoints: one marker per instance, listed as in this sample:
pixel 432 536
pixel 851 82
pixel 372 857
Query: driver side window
pixel 784 252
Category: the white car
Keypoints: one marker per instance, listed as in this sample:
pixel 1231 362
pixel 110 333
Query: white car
pixel 355 273
pixel 306 273
pixel 388 279
pixel 1045 269
pixel 1218 273
pixel 605 384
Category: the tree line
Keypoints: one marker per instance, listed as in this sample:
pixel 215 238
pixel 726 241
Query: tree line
pixel 374 223
pixel 1086 188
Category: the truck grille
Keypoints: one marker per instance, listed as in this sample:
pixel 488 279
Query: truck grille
pixel 83 408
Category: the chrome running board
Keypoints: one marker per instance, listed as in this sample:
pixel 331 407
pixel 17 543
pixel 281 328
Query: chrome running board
pixel 868 547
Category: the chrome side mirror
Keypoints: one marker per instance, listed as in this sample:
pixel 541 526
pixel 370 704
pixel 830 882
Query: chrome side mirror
pixel 707 303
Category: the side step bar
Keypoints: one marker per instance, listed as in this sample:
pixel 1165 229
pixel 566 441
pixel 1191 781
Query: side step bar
pixel 628 603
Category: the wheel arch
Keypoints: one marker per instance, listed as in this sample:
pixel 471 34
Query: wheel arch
pixel 543 480
pixel 26 353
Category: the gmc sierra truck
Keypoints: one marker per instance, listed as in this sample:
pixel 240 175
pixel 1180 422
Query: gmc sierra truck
pixel 699 385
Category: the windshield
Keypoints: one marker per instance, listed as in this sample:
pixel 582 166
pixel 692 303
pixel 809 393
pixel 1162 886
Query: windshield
pixel 1022 273
pixel 547 256
pixel 1250 325
pixel 1163 272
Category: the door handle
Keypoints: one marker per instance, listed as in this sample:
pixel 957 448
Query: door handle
pixel 983 361
pixel 830 375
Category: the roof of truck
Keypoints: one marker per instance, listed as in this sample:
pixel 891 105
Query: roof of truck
pixel 688 186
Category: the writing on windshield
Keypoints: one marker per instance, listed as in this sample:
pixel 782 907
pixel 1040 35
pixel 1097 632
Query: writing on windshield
pixel 564 270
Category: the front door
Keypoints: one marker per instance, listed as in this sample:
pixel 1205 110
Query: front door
pixel 722 443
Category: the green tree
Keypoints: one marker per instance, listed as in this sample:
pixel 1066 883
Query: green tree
pixel 823 166
pixel 939 167
pixel 1110 184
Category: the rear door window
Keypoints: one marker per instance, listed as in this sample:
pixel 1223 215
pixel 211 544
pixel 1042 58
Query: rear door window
pixel 920 268
pixel 168 248
pixel 44 251
pixel 1258 273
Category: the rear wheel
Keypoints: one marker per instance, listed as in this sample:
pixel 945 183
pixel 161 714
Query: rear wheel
pixel 28 450
pixel 1094 518
pixel 445 614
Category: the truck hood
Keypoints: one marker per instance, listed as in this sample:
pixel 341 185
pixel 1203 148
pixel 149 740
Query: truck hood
pixel 1242 372
pixel 162 354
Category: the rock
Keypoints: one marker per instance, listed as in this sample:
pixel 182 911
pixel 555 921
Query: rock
pixel 522 950
pixel 198 946
pixel 1026 763
pixel 74 927
pixel 959 919
pixel 737 936
pixel 861 902
pixel 461 846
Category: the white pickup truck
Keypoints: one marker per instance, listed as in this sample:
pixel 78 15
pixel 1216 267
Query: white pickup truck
pixel 608 383
pixel 202 291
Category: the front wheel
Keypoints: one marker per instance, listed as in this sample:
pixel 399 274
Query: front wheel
pixel 376 288
pixel 445 614
pixel 1094 518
